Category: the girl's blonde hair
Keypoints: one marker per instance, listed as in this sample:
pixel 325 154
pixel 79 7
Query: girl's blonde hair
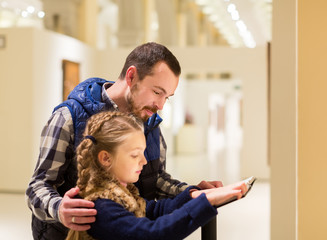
pixel 103 131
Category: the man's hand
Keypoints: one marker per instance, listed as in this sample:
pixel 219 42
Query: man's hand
pixel 209 184
pixel 76 214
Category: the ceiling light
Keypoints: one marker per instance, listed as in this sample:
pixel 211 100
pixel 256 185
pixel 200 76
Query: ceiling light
pixel 235 15
pixel 30 9
pixel 41 14
pixel 24 14
pixel 231 8
pixel 241 26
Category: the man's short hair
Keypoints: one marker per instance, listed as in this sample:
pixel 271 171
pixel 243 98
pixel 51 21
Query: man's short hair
pixel 145 56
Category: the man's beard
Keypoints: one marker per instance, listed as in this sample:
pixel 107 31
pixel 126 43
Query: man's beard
pixel 132 108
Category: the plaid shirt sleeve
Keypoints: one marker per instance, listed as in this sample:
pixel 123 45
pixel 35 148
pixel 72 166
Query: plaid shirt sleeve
pixel 166 185
pixel 56 143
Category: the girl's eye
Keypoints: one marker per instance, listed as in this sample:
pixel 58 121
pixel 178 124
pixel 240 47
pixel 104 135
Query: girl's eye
pixel 156 93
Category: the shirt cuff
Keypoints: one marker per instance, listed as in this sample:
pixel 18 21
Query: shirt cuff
pixel 54 209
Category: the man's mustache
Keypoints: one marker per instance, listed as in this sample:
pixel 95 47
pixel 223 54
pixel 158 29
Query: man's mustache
pixel 152 109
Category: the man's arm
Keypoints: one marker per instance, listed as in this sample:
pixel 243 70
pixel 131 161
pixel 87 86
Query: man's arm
pixel 166 185
pixel 56 154
pixel 56 143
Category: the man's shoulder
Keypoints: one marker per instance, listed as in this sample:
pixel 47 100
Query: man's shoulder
pixel 64 112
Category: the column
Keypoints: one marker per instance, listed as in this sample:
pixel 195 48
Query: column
pixel 88 15
pixel 131 23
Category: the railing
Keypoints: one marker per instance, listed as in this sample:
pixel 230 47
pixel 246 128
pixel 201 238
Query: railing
pixel 209 231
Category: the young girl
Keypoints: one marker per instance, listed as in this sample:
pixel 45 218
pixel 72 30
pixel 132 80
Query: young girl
pixel 110 159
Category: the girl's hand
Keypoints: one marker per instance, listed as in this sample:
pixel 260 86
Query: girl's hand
pixel 218 196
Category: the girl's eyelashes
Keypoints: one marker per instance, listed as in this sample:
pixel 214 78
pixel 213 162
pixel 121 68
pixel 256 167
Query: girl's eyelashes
pixel 136 155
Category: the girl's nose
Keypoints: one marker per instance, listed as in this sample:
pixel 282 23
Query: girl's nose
pixel 143 161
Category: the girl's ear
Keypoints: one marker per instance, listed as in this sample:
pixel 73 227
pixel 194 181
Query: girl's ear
pixel 104 158
pixel 130 75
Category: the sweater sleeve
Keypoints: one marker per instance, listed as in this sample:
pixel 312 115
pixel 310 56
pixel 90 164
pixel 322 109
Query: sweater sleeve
pixel 155 209
pixel 171 219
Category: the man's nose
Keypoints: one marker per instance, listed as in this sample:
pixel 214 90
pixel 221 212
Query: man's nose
pixel 160 103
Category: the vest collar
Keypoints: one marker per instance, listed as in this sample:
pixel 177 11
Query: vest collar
pixel 152 123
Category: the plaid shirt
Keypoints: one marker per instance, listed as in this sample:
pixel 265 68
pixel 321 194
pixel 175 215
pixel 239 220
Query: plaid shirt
pixel 57 142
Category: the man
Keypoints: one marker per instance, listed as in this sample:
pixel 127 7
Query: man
pixel 149 77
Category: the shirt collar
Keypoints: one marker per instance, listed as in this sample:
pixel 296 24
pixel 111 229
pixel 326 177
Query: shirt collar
pixel 106 99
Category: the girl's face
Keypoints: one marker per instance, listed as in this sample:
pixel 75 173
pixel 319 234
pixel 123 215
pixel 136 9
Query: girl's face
pixel 129 159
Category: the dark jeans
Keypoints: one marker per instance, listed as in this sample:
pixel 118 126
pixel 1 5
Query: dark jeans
pixel 48 231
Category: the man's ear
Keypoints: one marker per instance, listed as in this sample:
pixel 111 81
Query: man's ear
pixel 104 158
pixel 130 75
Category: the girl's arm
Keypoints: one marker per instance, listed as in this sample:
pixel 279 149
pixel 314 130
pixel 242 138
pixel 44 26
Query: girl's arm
pixel 166 219
pixel 115 222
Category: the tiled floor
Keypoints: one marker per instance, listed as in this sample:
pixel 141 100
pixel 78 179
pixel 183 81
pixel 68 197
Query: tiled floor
pixel 246 219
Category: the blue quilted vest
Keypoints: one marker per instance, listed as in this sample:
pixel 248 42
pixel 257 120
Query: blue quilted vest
pixel 85 101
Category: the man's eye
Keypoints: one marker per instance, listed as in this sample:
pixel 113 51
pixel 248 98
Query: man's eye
pixel 156 93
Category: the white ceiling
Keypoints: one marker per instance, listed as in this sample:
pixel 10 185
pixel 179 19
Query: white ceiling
pixel 252 16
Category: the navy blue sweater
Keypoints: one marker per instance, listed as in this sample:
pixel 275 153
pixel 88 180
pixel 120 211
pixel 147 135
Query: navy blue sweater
pixel 165 219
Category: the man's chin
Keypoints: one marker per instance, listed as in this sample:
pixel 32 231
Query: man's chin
pixel 143 117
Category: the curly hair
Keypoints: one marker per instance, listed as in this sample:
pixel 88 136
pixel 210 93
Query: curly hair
pixel 104 131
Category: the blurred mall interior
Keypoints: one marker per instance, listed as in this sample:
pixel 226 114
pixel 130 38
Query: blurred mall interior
pixel 221 124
